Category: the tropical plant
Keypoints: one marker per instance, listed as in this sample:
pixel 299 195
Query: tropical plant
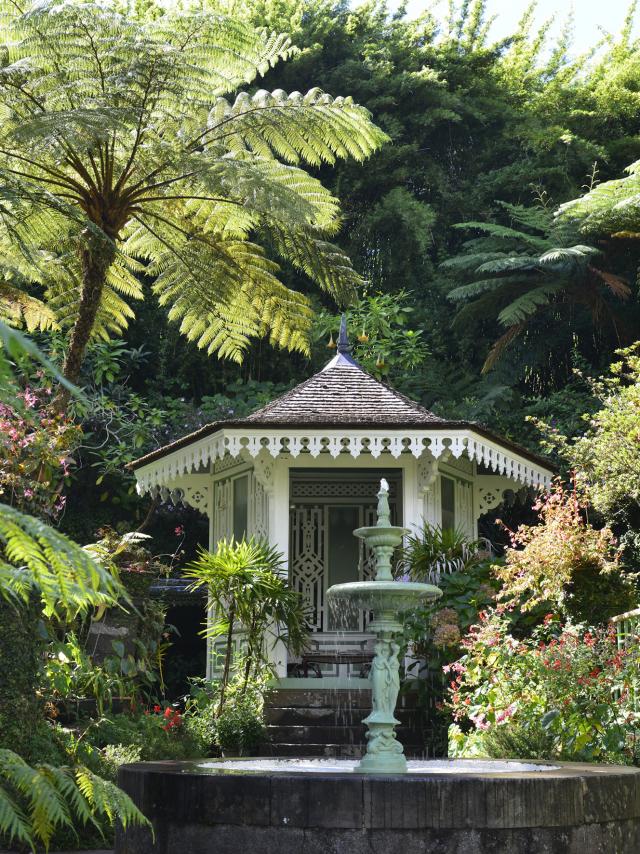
pixel 120 154
pixel 434 551
pixel 532 272
pixel 248 594
pixel 607 209
pixel 37 800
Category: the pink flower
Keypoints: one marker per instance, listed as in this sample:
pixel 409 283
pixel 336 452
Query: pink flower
pixel 179 530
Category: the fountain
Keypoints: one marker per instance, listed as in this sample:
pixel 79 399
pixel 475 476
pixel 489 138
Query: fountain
pixel 388 599
pixel 383 804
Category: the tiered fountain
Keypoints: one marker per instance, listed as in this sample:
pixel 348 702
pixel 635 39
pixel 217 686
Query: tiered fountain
pixel 383 804
pixel 388 600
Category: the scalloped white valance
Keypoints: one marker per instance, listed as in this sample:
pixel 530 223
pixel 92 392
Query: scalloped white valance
pixel 428 443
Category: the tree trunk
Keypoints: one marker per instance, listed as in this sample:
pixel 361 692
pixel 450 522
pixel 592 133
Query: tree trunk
pixel 227 659
pixel 96 258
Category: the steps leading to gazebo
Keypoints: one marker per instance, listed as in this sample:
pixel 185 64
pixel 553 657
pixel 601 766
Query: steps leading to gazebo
pixel 328 722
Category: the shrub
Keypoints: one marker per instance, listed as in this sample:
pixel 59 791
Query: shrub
pixel 565 693
pixel 240 727
pixel 564 563
pixel 159 733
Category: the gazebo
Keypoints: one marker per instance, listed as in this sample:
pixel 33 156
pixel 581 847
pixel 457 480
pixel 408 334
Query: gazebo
pixel 304 470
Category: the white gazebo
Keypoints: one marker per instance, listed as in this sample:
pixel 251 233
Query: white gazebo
pixel 304 470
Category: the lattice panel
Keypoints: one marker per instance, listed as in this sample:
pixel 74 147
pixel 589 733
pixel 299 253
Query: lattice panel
pixel 307 552
pixel 322 490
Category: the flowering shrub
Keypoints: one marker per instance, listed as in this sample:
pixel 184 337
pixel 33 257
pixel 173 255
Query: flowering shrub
pixel 446 628
pixel 550 562
pixel 35 454
pixel 162 732
pixel 567 692
pixel 170 719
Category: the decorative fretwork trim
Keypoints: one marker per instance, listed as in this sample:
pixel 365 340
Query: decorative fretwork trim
pixel 235 442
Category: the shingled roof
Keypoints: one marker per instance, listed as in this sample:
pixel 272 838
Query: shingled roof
pixel 343 395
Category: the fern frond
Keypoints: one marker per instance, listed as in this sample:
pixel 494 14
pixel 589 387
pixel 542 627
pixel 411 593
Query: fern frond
pixel 35 801
pixel 314 127
pixel 19 308
pixel 528 304
pixel 37 556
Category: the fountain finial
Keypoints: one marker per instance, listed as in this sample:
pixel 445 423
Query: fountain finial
pixel 384 512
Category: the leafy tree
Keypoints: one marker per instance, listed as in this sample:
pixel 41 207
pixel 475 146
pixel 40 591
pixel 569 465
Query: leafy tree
pixel 381 335
pixel 119 154
pixel 608 454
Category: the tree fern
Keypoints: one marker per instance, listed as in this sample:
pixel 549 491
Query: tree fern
pixel 36 801
pixel 126 141
pixel 530 269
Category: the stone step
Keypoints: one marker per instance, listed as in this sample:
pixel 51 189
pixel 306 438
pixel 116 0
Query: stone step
pixel 328 716
pixel 320 698
pixel 328 698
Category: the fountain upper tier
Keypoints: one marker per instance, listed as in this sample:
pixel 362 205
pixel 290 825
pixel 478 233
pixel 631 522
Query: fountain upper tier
pixel 396 596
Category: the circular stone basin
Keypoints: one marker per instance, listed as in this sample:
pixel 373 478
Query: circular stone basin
pixel 319 806
pixel 397 596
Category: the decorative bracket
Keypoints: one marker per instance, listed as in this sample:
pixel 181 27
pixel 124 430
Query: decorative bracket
pixel 263 466
pixel 427 474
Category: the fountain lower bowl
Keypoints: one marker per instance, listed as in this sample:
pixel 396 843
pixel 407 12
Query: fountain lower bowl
pixel 304 806
pixel 396 596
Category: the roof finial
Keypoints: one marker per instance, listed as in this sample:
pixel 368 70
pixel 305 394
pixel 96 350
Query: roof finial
pixel 343 338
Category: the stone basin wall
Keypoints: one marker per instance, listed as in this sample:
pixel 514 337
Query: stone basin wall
pixel 567 809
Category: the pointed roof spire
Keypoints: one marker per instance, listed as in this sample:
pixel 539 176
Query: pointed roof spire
pixel 343 356
pixel 343 339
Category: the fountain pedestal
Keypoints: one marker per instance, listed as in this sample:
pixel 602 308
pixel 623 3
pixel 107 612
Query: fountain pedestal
pixel 388 599
pixel 384 752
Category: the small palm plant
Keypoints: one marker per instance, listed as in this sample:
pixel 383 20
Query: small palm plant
pixel 434 551
pixel 248 594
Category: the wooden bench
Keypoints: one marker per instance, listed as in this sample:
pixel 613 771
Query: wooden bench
pixel 310 661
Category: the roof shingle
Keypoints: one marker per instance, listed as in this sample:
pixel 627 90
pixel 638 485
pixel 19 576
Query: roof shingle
pixel 342 393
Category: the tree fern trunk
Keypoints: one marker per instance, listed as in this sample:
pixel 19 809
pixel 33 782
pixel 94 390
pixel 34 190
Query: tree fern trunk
pixel 96 259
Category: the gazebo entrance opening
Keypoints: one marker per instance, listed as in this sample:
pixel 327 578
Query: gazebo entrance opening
pixel 325 508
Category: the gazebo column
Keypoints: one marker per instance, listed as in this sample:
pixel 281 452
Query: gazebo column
pixel 273 476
